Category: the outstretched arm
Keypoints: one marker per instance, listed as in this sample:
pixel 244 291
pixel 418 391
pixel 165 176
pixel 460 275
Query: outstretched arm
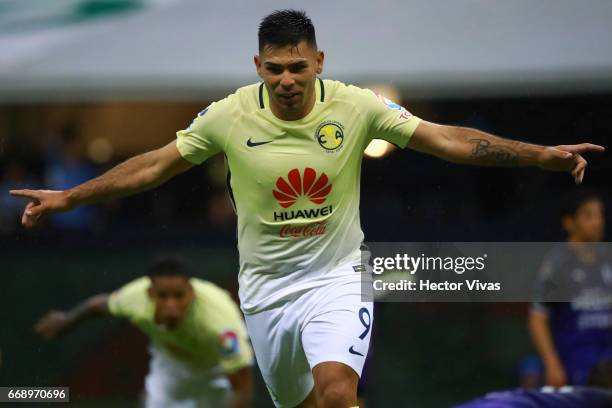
pixel 137 174
pixel 542 339
pixel 55 322
pixel 470 146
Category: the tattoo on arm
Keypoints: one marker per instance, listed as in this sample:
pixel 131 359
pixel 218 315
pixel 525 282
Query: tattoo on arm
pixel 486 152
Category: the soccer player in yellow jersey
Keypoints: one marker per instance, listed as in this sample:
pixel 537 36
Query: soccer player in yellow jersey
pixel 200 353
pixel 294 145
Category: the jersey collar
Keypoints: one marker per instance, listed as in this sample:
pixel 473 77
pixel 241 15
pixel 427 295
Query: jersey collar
pixel 264 99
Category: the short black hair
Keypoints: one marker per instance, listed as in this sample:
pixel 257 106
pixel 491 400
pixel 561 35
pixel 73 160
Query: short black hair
pixel 576 198
pixel 286 27
pixel 169 265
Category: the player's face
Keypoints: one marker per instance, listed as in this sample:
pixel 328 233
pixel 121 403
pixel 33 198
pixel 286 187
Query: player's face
pixel 589 222
pixel 289 74
pixel 173 296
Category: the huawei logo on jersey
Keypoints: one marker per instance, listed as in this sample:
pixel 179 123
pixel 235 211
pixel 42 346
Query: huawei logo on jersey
pixel 316 189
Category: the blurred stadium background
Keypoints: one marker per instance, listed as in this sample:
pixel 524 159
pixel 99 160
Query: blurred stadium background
pixel 85 84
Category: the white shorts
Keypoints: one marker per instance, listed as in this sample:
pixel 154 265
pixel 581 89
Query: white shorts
pixel 328 323
pixel 173 384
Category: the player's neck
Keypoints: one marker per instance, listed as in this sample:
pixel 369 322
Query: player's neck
pixel 291 114
pixel 585 251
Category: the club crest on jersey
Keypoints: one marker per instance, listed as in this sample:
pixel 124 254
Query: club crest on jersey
pixel 404 114
pixel 330 135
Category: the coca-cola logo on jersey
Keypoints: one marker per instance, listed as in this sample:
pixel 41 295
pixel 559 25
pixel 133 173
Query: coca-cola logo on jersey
pixel 297 231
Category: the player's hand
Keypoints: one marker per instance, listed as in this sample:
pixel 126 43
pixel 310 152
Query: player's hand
pixel 555 375
pixel 52 324
pixel 568 158
pixel 43 202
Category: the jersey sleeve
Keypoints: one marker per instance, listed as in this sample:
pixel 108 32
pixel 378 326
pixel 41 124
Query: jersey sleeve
pixel 388 120
pixel 129 300
pixel 235 348
pixel 543 286
pixel 207 134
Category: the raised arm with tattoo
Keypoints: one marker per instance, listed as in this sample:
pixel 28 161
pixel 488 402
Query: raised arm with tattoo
pixel 470 146
pixel 137 174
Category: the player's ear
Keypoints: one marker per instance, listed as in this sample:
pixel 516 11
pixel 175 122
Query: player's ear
pixel 320 59
pixel 567 223
pixel 257 62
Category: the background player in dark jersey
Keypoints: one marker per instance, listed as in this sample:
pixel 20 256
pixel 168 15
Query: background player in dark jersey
pixel 597 395
pixel 572 337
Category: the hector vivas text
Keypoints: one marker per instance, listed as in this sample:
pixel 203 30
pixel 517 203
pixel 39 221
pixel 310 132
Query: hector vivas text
pixel 404 263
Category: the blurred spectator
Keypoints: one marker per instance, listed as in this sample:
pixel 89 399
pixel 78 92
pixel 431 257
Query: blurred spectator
pixel 572 337
pixel 66 167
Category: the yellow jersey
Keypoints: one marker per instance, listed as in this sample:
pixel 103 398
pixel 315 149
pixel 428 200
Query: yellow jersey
pixel 211 336
pixel 294 184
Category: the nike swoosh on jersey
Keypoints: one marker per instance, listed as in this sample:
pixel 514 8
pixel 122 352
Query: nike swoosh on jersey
pixel 352 351
pixel 253 144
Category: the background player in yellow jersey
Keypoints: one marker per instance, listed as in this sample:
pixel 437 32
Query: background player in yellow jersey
pixel 200 353
pixel 294 145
